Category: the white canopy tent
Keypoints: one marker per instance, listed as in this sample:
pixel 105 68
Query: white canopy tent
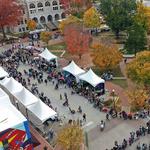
pixel 46 54
pixel 3 94
pixel 26 97
pixel 3 73
pixel 73 69
pixel 42 111
pixel 11 116
pixel 91 78
pixel 11 85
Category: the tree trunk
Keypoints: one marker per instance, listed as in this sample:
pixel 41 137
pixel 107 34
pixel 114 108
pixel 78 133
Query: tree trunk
pixel 80 56
pixel 4 34
pixel 117 34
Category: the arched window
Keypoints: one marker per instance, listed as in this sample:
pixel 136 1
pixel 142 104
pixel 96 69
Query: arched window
pixel 39 5
pixel 47 3
pixel 49 18
pixel 54 3
pixel 35 19
pixel 56 17
pixel 42 19
pixel 63 15
pixel 31 6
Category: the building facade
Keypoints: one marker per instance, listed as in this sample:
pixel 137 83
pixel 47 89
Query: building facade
pixel 42 11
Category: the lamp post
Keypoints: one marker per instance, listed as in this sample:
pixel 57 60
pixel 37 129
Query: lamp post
pixel 17 104
pixel 113 94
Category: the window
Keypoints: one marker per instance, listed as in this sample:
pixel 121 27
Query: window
pixel 54 3
pixel 25 21
pixel 26 28
pixel 61 7
pixel 40 10
pixel 63 15
pixel 39 5
pixel 32 11
pixel 19 29
pixel 23 29
pixel 55 8
pixel 56 17
pixel 47 3
pixel 31 6
pixel 18 22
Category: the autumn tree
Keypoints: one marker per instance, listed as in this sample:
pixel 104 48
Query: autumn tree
pixel 70 137
pixel 106 57
pixel 76 39
pixel 91 18
pixel 138 98
pixel 10 13
pixel 118 14
pixel 76 7
pixel 138 70
pixel 142 16
pixel 69 20
pixel 31 24
pixel 45 36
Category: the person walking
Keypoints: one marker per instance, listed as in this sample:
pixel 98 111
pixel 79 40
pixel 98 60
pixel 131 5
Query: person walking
pixel 84 117
pixel 107 116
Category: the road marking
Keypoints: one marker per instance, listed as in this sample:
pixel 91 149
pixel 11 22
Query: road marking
pixel 88 124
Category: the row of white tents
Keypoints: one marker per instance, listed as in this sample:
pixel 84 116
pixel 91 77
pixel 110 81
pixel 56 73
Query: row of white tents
pixel 89 76
pixel 3 73
pixel 10 116
pixel 33 108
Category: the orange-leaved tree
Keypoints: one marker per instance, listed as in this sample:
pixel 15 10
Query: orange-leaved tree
pixel 143 16
pixel 70 137
pixel 91 18
pixel 11 12
pixel 31 24
pixel 76 39
pixel 106 57
pixel 138 70
pixel 138 98
pixel 45 36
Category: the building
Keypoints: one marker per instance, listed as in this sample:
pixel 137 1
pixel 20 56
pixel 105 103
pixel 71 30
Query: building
pixel 45 12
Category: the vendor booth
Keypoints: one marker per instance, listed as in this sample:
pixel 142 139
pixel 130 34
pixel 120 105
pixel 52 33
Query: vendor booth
pixel 3 73
pixel 42 111
pixel 48 56
pixel 72 71
pixel 14 129
pixel 11 85
pixel 91 78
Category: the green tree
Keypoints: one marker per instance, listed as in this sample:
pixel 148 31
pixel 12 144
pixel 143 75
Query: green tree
pixel 136 40
pixel 118 14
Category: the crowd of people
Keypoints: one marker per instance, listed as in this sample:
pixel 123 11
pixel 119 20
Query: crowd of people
pixel 134 136
pixel 12 58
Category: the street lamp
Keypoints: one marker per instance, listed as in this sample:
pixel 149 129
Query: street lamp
pixel 17 104
pixel 113 94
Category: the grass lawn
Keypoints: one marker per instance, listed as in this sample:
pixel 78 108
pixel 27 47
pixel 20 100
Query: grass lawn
pixel 60 46
pixel 122 83
pixel 116 72
pixel 57 53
